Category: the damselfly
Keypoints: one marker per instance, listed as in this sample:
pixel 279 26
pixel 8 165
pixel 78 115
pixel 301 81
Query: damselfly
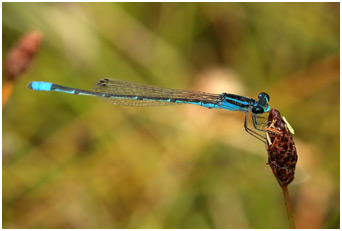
pixel 135 94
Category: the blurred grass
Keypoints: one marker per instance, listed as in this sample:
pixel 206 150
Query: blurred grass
pixel 76 162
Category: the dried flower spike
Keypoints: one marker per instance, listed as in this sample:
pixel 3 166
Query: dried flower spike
pixel 18 60
pixel 21 55
pixel 282 153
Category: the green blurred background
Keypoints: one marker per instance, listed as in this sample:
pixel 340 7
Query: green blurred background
pixel 77 162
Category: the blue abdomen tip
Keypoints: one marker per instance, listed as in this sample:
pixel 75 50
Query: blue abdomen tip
pixel 40 86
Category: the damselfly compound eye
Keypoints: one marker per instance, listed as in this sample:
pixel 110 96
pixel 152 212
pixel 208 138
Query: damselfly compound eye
pixel 257 110
pixel 263 95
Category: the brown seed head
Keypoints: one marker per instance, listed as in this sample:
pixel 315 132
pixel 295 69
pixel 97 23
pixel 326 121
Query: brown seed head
pixel 21 54
pixel 282 153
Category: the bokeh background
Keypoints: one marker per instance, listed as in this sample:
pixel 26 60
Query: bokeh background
pixel 77 162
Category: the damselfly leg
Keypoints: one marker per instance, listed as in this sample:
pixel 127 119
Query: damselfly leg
pixel 255 122
pixel 251 131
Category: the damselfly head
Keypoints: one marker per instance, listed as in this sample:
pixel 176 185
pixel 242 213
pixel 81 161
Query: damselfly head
pixel 262 104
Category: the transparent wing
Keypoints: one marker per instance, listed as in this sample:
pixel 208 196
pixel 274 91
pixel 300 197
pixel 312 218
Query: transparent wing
pixel 135 94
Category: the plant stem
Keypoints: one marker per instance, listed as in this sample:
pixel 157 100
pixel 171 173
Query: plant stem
pixel 288 206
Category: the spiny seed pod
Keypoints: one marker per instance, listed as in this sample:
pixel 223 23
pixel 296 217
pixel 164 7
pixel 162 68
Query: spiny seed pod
pixel 282 153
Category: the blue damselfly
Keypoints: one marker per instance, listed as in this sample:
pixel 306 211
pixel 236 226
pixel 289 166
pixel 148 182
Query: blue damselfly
pixel 135 94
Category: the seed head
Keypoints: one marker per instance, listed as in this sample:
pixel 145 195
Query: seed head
pixel 282 153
